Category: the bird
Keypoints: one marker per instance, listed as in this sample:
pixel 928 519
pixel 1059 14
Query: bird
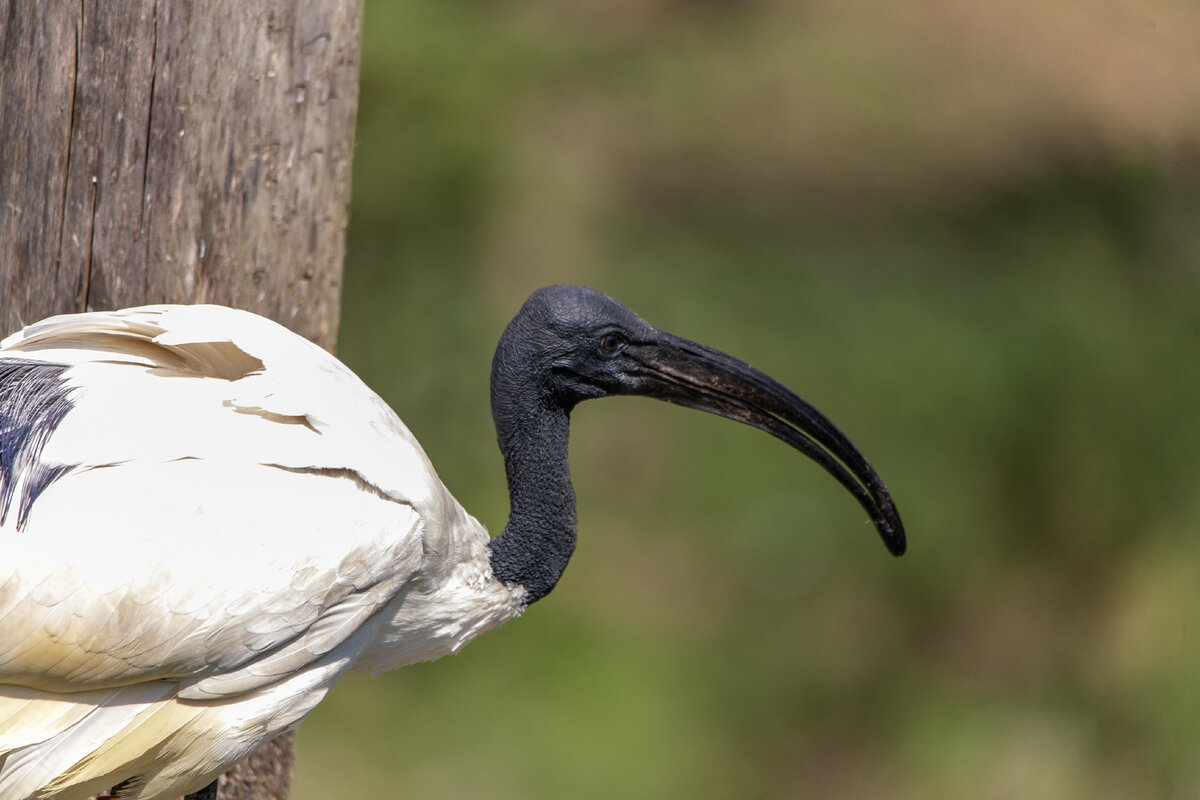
pixel 206 520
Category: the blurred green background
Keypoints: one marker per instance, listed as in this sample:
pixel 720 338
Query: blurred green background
pixel 969 233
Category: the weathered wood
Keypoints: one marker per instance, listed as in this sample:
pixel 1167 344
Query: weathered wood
pixel 191 151
pixel 184 151
pixel 265 775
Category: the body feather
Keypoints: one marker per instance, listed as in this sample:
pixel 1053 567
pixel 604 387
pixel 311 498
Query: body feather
pixel 214 520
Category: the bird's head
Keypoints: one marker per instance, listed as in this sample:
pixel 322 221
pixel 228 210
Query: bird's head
pixel 568 344
pixel 572 344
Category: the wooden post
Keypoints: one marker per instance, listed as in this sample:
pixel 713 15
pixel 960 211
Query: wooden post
pixel 188 151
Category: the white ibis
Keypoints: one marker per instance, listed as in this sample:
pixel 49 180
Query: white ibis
pixel 205 521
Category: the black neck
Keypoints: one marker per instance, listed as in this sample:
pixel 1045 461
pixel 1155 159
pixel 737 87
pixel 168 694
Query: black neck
pixel 532 432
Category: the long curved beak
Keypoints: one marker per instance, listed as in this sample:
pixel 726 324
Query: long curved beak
pixel 680 371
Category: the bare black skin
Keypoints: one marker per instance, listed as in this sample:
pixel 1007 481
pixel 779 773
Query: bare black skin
pixel 568 344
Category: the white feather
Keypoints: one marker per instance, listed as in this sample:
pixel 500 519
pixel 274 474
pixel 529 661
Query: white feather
pixel 241 520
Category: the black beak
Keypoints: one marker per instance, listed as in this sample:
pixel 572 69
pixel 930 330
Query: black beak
pixel 689 374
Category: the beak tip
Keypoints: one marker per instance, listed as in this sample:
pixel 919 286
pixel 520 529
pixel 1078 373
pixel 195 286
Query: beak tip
pixel 887 521
pixel 891 530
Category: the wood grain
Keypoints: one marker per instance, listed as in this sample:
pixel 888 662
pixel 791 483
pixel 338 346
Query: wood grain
pixel 193 151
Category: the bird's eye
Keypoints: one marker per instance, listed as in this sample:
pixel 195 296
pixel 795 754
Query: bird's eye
pixel 610 343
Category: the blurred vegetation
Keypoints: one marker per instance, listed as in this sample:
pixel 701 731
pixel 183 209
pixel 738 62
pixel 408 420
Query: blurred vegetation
pixel 967 233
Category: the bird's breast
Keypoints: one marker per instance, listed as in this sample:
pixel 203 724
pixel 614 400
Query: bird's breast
pixel 455 599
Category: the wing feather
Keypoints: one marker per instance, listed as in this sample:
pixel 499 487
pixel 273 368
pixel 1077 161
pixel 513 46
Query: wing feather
pixel 204 517
pixel 222 498
pixel 56 733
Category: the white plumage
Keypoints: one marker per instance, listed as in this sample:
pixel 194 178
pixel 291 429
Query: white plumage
pixel 230 521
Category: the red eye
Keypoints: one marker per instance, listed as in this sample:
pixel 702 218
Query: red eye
pixel 610 343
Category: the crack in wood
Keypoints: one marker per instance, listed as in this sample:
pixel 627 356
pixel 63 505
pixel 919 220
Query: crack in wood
pixel 86 289
pixel 62 209
pixel 142 224
pixel 145 210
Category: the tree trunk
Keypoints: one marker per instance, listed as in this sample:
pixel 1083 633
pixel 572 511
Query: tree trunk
pixel 193 151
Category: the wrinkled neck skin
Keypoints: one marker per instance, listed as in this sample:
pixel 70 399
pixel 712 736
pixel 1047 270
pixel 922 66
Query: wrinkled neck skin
pixel 532 431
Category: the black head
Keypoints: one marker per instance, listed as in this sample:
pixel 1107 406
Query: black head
pixel 569 344
pixel 569 341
